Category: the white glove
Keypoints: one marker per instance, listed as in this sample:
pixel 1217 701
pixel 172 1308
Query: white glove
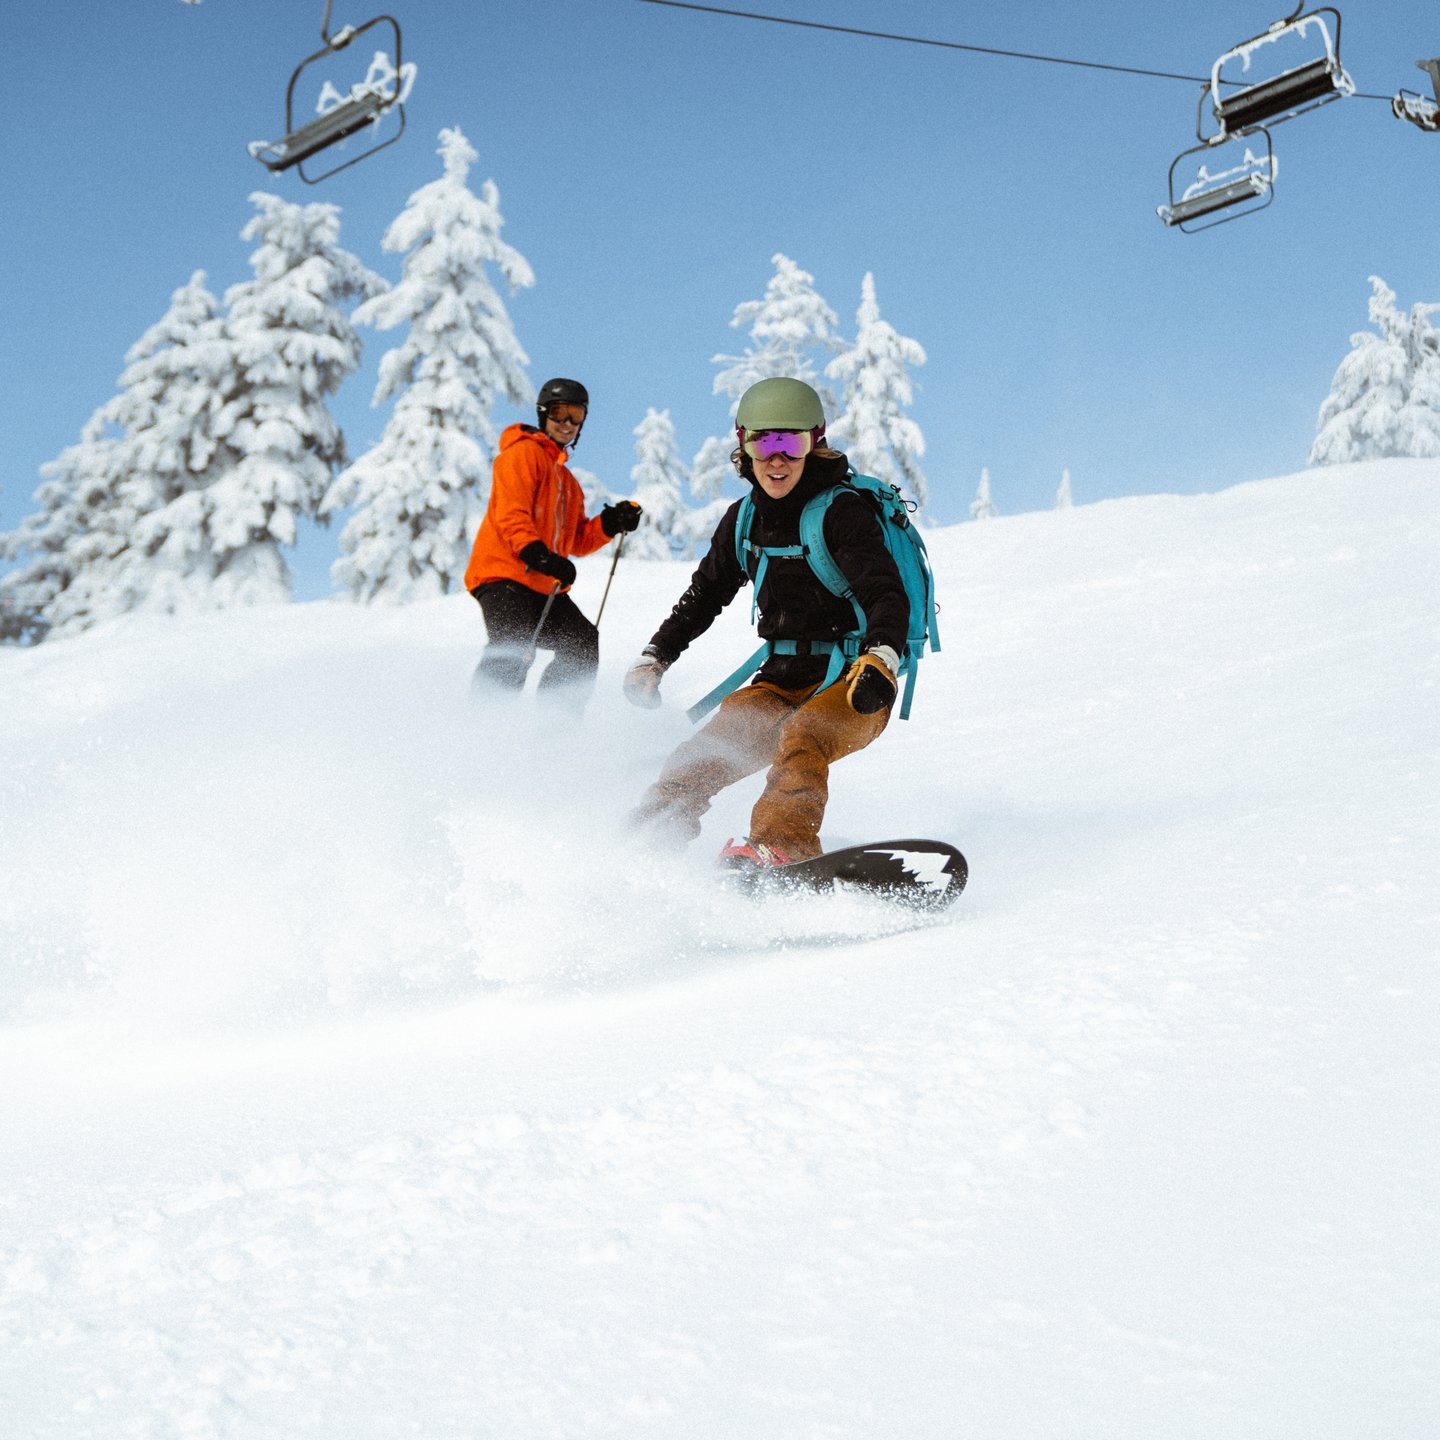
pixel 887 657
pixel 642 681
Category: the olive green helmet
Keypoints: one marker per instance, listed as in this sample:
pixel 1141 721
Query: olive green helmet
pixel 780 404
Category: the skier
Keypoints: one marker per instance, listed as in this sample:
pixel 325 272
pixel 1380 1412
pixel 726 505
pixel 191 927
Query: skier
pixel 520 570
pixel 788 718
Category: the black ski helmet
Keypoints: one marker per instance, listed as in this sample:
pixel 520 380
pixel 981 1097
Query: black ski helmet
pixel 560 392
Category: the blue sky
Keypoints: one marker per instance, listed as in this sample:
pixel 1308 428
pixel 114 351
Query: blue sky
pixel 650 162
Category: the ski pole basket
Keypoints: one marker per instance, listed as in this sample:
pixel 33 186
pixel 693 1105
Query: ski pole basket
pixel 1311 75
pixel 383 90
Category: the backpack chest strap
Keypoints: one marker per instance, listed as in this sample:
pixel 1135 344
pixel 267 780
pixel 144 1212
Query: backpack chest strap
pixel 841 652
pixel 759 557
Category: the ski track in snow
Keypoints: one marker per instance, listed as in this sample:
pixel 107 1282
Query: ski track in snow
pixel 363 1079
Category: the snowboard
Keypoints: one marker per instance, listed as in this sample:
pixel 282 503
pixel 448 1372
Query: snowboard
pixel 927 873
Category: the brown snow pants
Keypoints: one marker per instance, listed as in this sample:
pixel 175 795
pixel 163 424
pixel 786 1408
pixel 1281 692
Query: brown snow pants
pixel 799 734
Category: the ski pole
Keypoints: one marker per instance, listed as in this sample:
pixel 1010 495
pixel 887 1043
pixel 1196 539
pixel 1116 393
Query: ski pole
pixel 540 623
pixel 620 545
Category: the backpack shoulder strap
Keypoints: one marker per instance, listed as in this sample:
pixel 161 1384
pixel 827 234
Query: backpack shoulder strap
pixel 754 560
pixel 817 552
pixel 743 518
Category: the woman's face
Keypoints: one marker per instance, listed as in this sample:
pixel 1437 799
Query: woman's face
pixel 778 459
pixel 778 475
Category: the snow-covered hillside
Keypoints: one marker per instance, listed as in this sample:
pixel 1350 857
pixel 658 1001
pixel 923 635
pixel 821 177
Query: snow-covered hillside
pixel 360 1082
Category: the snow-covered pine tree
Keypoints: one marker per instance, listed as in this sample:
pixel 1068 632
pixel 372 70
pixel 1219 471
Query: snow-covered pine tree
pixel 711 470
pixel 982 507
pixel 1385 398
pixel 48 547
pixel 790 328
pixel 656 479
pixel 792 332
pixel 420 492
pixel 137 452
pixel 873 429
pixel 669 529
pixel 177 379
pixel 286 344
pixel 1064 500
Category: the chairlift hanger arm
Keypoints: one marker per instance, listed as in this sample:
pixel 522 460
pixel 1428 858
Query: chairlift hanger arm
pixel 1432 69
pixel 340 41
pixel 348 33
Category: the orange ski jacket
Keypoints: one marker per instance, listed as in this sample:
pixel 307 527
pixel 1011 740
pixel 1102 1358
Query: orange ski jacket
pixel 533 496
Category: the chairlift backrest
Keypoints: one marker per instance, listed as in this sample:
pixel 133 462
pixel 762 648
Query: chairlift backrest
pixel 1314 82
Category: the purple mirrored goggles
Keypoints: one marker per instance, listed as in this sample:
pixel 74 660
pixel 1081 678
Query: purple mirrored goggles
pixel 767 444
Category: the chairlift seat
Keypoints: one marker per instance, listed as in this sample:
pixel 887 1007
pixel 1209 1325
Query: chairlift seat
pixel 1213 201
pixel 1256 104
pixel 333 126
pixel 1417 109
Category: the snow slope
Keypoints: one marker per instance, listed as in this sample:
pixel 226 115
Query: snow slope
pixel 359 1081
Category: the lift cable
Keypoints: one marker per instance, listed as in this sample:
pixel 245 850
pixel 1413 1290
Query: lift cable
pixel 952 44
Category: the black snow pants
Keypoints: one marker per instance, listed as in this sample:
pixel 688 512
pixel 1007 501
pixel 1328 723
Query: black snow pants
pixel 512 611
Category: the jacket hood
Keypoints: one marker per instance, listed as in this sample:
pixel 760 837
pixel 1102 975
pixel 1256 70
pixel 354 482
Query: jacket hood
pixel 513 434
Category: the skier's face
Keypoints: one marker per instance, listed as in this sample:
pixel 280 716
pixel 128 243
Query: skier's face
pixel 778 474
pixel 563 422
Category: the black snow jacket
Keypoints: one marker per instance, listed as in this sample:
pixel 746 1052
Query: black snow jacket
pixel 793 604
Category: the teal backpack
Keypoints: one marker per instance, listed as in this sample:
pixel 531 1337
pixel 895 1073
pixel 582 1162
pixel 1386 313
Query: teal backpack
pixel 906 548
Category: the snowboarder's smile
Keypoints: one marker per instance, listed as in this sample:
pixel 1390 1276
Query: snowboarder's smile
pixel 778 475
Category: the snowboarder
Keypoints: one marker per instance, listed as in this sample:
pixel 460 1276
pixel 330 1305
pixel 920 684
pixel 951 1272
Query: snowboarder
pixel 520 569
pixel 788 718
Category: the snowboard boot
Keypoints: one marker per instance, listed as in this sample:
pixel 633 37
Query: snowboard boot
pixel 746 861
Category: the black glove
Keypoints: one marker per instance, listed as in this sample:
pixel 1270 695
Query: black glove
pixel 871 684
pixel 537 556
pixel 620 518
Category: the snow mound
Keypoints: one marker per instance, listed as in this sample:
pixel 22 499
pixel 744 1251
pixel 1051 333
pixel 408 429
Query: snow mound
pixel 362 1078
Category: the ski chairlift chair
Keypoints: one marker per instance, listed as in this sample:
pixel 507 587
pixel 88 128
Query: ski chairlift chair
pixel 1418 109
pixel 1215 197
pixel 363 106
pixel 1282 96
